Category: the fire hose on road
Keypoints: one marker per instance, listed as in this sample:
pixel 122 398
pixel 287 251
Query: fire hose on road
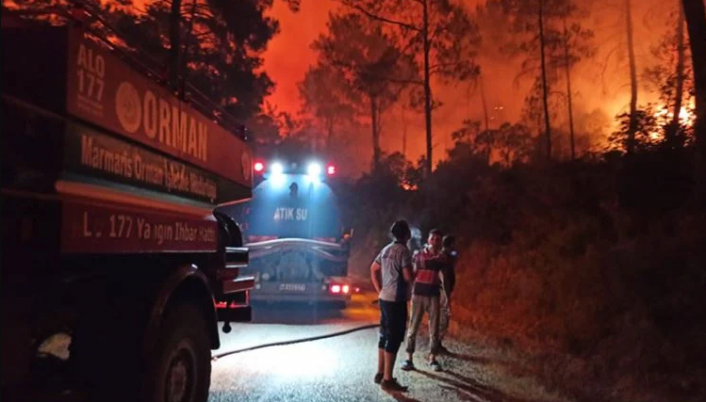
pixel 295 341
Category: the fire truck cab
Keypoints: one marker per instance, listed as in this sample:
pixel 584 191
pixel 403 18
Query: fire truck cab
pixel 113 249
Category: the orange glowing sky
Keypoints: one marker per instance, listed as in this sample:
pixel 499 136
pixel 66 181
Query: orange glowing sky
pixel 597 86
pixel 289 55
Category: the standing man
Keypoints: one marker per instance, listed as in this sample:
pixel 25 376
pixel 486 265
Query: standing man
pixel 449 280
pixel 391 274
pixel 428 264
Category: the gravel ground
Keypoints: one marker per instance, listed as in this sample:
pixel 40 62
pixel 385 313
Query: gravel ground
pixel 342 368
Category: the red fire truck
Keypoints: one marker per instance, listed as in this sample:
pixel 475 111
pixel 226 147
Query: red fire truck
pixel 114 253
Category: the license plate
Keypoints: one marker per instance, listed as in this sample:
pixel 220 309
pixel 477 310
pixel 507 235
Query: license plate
pixel 292 287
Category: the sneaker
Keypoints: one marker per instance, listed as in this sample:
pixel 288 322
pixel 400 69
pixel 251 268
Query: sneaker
pixel 392 385
pixel 435 365
pixel 378 378
pixel 407 365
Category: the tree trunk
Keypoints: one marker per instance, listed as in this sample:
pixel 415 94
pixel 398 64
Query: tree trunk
pixel 174 44
pixel 679 93
pixel 545 85
pixel 569 96
pixel 184 55
pixel 485 104
pixel 427 88
pixel 632 127
pixel 696 25
pixel 376 133
pixel 329 134
pixel 404 134
pixel 538 149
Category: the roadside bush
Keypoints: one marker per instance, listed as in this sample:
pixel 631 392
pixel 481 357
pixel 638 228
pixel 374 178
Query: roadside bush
pixel 601 261
pixel 621 288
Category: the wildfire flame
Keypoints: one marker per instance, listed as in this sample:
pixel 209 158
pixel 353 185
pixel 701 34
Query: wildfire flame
pixel 663 115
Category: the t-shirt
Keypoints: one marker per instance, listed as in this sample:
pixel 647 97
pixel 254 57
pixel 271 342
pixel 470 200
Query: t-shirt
pixel 392 259
pixel 427 265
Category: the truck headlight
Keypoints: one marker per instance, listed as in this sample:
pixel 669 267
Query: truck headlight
pixel 276 168
pixel 314 170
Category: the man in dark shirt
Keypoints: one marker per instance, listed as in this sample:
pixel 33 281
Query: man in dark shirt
pixel 448 282
pixel 425 298
pixel 391 274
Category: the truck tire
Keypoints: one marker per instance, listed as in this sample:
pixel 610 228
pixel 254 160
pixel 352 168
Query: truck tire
pixel 181 364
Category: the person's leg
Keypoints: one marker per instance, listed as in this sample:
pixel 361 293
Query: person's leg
pixel 397 335
pixel 381 360
pixel 384 338
pixel 433 327
pixel 415 320
pixel 397 322
pixel 390 358
pixel 444 317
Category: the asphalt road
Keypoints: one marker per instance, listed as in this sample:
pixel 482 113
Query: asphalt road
pixel 342 368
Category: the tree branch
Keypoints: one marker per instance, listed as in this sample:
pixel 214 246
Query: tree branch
pixel 435 68
pixel 396 80
pixel 381 18
pixel 403 80
pixel 437 29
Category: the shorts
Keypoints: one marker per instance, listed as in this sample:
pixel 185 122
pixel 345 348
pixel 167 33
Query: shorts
pixel 393 323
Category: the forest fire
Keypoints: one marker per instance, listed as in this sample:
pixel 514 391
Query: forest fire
pixel 663 116
pixel 558 145
pixel 497 72
pixel 599 81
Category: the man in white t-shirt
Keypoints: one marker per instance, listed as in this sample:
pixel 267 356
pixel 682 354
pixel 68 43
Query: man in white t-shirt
pixel 392 276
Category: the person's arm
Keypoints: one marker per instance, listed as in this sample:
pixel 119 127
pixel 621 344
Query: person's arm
pixel 445 276
pixel 375 275
pixel 408 268
pixel 408 274
pixel 451 274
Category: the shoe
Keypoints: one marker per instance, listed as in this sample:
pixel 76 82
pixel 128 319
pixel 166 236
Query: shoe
pixel 378 378
pixel 407 365
pixel 435 365
pixel 392 385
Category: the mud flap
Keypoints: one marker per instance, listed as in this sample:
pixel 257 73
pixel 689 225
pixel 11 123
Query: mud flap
pixel 235 314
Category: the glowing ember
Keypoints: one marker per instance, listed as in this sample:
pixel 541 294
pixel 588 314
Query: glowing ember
pixel 409 187
pixel 663 115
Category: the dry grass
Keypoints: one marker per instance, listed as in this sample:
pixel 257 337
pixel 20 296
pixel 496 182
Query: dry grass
pixel 591 272
pixel 613 323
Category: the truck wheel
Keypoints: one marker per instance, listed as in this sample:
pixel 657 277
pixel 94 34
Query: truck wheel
pixel 181 364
